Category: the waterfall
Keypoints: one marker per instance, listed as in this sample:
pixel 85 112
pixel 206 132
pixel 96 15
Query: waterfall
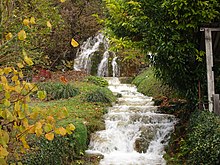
pixel 115 69
pixel 103 66
pixel 83 60
pixel 135 134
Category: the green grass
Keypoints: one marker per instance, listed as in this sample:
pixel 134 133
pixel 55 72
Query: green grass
pixel 149 85
pixel 87 118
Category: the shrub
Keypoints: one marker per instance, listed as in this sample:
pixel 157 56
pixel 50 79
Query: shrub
pixel 62 150
pixel 202 143
pixel 57 91
pixel 147 84
pixel 100 81
pixel 100 94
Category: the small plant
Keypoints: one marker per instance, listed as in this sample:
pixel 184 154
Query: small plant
pixel 100 94
pixel 57 91
pixel 100 81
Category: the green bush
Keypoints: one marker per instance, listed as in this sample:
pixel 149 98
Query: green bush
pixel 100 81
pixel 56 91
pixel 62 150
pixel 100 94
pixel 147 84
pixel 202 143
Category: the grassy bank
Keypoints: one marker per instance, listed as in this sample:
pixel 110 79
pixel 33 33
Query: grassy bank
pixel 147 84
pixel 85 110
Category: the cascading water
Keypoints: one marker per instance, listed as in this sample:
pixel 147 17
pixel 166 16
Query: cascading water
pixel 103 66
pixel 135 134
pixel 115 69
pixel 84 56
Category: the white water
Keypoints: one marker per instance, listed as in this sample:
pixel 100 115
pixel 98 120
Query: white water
pixel 103 66
pixel 125 122
pixel 84 55
pixel 115 68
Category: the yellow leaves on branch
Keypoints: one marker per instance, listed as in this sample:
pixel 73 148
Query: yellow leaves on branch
pixel 27 21
pixel 74 43
pixel 62 1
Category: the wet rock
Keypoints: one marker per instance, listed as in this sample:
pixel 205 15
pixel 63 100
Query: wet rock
pixel 142 143
pixel 93 158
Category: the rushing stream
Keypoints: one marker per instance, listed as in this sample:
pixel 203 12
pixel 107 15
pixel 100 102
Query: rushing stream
pixel 135 134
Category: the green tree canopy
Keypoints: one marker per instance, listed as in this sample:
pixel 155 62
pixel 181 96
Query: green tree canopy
pixel 169 29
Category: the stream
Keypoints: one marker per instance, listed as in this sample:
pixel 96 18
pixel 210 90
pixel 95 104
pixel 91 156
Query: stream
pixel 135 134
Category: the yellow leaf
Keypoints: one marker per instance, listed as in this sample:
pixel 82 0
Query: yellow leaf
pixel 48 127
pixel 26 22
pixel 7 95
pixel 21 115
pixel 18 89
pixel 14 78
pixel 61 131
pixel 38 132
pixel 50 119
pixel 49 24
pixel 3 161
pixel 20 65
pixel 7 70
pixel 4 138
pixel 7 103
pixel 62 1
pixel 31 129
pixel 24 142
pixel 17 106
pixel 21 75
pixel 8 36
pixel 28 60
pixel 4 80
pixel 3 152
pixel 1 72
pixel 38 125
pixel 25 123
pixel 71 127
pixel 49 136
pixel 74 43
pixel 41 94
pixel 22 35
pixel 32 20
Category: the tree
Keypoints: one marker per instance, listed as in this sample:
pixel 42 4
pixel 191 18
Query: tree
pixel 19 43
pixel 169 29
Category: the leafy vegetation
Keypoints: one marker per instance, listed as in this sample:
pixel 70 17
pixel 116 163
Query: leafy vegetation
pixel 56 90
pixel 100 81
pixel 149 85
pixel 200 144
pixel 62 150
pixel 169 31
pixel 100 94
pixel 18 120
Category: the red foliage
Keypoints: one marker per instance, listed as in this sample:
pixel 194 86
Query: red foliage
pixel 42 75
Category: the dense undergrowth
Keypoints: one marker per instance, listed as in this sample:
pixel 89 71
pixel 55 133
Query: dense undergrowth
pixel 85 108
pixel 196 138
